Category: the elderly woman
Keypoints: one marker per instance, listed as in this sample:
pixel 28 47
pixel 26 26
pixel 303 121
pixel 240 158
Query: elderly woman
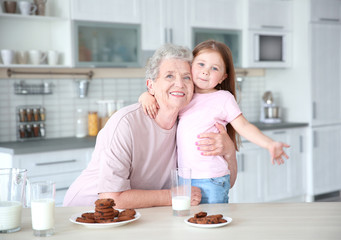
pixel 134 154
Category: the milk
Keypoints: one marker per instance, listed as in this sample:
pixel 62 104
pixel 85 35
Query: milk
pixel 10 215
pixel 42 212
pixel 180 203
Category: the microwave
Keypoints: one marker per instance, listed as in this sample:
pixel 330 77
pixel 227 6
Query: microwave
pixel 269 49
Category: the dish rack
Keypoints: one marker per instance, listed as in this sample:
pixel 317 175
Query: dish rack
pixel 23 88
pixel 30 122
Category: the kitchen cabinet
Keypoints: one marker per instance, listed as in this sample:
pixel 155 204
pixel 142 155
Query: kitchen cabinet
pixel 260 181
pixel 119 11
pixel 62 167
pixel 213 14
pixel 174 21
pixel 326 165
pixel 50 32
pixel 270 14
pixel 164 22
pixel 326 73
pixel 249 184
pixel 326 11
pixel 99 44
pixel 324 170
pixel 287 180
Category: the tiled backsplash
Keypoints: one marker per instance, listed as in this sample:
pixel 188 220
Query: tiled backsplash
pixel 61 106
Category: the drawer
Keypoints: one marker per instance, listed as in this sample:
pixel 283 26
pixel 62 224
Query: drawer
pixel 47 163
pixel 63 182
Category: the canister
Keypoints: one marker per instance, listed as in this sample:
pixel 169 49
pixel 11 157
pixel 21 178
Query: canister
pixel 92 123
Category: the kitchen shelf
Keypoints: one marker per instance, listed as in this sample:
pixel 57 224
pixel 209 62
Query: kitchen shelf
pixel 16 16
pixel 33 66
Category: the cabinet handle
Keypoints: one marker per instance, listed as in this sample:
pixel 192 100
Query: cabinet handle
pixel 279 132
pixel 301 144
pixel 329 19
pixel 314 110
pixel 241 165
pixel 315 143
pixel 166 35
pixel 272 26
pixel 53 163
pixel 62 189
pixel 171 35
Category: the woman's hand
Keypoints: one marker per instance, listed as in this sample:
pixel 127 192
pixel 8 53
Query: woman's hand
pixel 195 196
pixel 212 144
pixel 149 104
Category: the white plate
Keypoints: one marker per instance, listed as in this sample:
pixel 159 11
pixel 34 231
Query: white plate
pixel 102 225
pixel 228 219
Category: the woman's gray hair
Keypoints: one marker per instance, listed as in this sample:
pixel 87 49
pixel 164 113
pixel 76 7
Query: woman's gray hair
pixel 167 51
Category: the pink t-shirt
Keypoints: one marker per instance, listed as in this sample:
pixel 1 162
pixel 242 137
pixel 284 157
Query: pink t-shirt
pixel 199 116
pixel 131 152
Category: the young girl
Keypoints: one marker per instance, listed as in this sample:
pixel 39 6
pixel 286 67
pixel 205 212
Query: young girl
pixel 214 100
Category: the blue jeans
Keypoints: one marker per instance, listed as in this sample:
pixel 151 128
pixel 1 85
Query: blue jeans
pixel 213 190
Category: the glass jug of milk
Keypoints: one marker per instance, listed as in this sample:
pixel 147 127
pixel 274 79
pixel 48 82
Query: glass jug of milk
pixel 12 198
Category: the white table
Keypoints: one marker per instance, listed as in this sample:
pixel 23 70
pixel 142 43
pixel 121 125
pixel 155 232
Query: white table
pixel 301 221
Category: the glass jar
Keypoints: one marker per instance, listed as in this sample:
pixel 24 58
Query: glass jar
pixel 29 115
pixel 22 131
pixel 36 114
pixel 92 123
pixel 81 124
pixel 42 114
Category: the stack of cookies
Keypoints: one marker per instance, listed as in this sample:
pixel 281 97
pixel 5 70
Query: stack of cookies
pixel 104 211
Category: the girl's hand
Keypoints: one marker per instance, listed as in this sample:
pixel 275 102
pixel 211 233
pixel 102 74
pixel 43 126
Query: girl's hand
pixel 277 152
pixel 149 104
pixel 213 144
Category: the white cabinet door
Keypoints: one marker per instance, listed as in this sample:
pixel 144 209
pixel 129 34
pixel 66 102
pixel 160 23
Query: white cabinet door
pixel 326 67
pixel 276 177
pixel 297 162
pixel 164 22
pixel 222 14
pixel 270 14
pixel 326 10
pixel 62 167
pixel 287 180
pixel 121 11
pixel 326 159
pixel 258 180
pixel 249 183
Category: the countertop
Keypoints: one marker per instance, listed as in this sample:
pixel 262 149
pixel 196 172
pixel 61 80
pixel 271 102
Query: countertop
pixel 278 221
pixel 59 144
pixel 47 145
pixel 282 125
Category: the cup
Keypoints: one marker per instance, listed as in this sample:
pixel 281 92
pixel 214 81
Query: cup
pixel 42 208
pixel 27 8
pixel 181 191
pixel 40 7
pixel 12 198
pixel 7 56
pixel 36 57
pixel 52 57
pixel 22 57
pixel 10 6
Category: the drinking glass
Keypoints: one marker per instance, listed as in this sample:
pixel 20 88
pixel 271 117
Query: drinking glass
pixel 181 191
pixel 43 207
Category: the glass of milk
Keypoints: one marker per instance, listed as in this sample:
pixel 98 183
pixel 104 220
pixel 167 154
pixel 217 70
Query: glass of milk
pixel 42 208
pixel 12 198
pixel 181 191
